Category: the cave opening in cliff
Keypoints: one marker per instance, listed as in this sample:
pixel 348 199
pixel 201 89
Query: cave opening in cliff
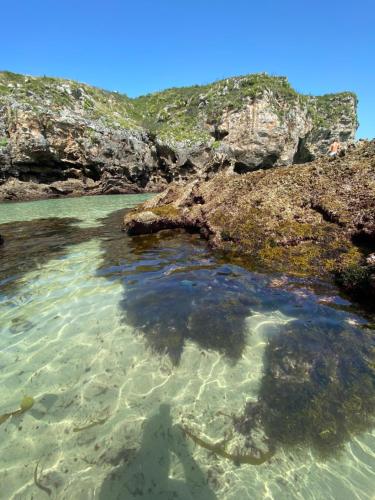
pixel 302 155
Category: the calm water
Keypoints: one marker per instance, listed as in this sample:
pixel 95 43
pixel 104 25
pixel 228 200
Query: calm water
pixel 126 343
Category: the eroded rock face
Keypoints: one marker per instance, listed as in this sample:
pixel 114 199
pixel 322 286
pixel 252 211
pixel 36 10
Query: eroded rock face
pixel 55 130
pixel 258 138
pixel 50 147
pixel 312 219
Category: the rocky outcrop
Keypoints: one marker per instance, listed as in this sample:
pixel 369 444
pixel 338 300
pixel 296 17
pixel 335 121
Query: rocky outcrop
pixel 93 141
pixel 309 219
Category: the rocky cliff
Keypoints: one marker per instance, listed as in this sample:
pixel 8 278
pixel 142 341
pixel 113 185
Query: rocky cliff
pixel 61 137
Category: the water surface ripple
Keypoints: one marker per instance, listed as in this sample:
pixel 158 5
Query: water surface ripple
pixel 124 342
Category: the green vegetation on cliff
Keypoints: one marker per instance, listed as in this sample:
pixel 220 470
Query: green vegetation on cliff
pixel 327 109
pixel 184 114
pixel 43 94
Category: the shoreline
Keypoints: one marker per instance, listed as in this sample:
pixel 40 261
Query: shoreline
pixel 37 192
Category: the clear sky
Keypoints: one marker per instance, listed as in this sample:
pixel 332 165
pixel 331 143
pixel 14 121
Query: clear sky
pixel 142 46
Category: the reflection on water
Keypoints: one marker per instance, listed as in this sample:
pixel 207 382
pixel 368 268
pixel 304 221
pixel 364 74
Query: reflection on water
pixel 120 340
pixel 31 244
pixel 174 290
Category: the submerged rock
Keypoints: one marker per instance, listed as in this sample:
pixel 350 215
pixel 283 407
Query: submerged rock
pixel 317 389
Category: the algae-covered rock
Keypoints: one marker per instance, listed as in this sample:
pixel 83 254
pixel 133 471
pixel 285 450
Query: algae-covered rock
pixel 154 220
pixel 313 219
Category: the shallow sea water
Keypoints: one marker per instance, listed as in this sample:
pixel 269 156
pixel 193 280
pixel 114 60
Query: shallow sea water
pixel 123 341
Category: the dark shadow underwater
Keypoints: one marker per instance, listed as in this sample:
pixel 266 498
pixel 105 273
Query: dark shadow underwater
pixel 147 474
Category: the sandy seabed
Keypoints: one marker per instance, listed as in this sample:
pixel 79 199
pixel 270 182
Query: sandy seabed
pixel 108 412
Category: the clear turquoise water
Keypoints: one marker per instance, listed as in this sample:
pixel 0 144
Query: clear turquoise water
pixel 122 342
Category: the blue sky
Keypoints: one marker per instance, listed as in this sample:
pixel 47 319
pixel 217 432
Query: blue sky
pixel 142 46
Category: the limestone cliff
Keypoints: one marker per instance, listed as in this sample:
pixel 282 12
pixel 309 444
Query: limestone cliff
pixel 63 137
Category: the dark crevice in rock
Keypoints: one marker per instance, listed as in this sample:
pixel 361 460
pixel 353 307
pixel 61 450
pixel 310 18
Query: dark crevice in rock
pixel 195 199
pixel 302 155
pixel 198 200
pixel 186 169
pixel 328 215
pixel 158 225
pixel 165 155
pixel 215 167
pixel 94 172
pixel 139 228
pixel 268 161
pixel 141 177
pixel 358 281
pixel 364 240
pixel 242 168
pixel 52 171
pixel 218 134
pixel 35 173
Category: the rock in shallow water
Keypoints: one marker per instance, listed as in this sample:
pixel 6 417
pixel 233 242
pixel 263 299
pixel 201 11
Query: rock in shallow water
pixel 314 219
